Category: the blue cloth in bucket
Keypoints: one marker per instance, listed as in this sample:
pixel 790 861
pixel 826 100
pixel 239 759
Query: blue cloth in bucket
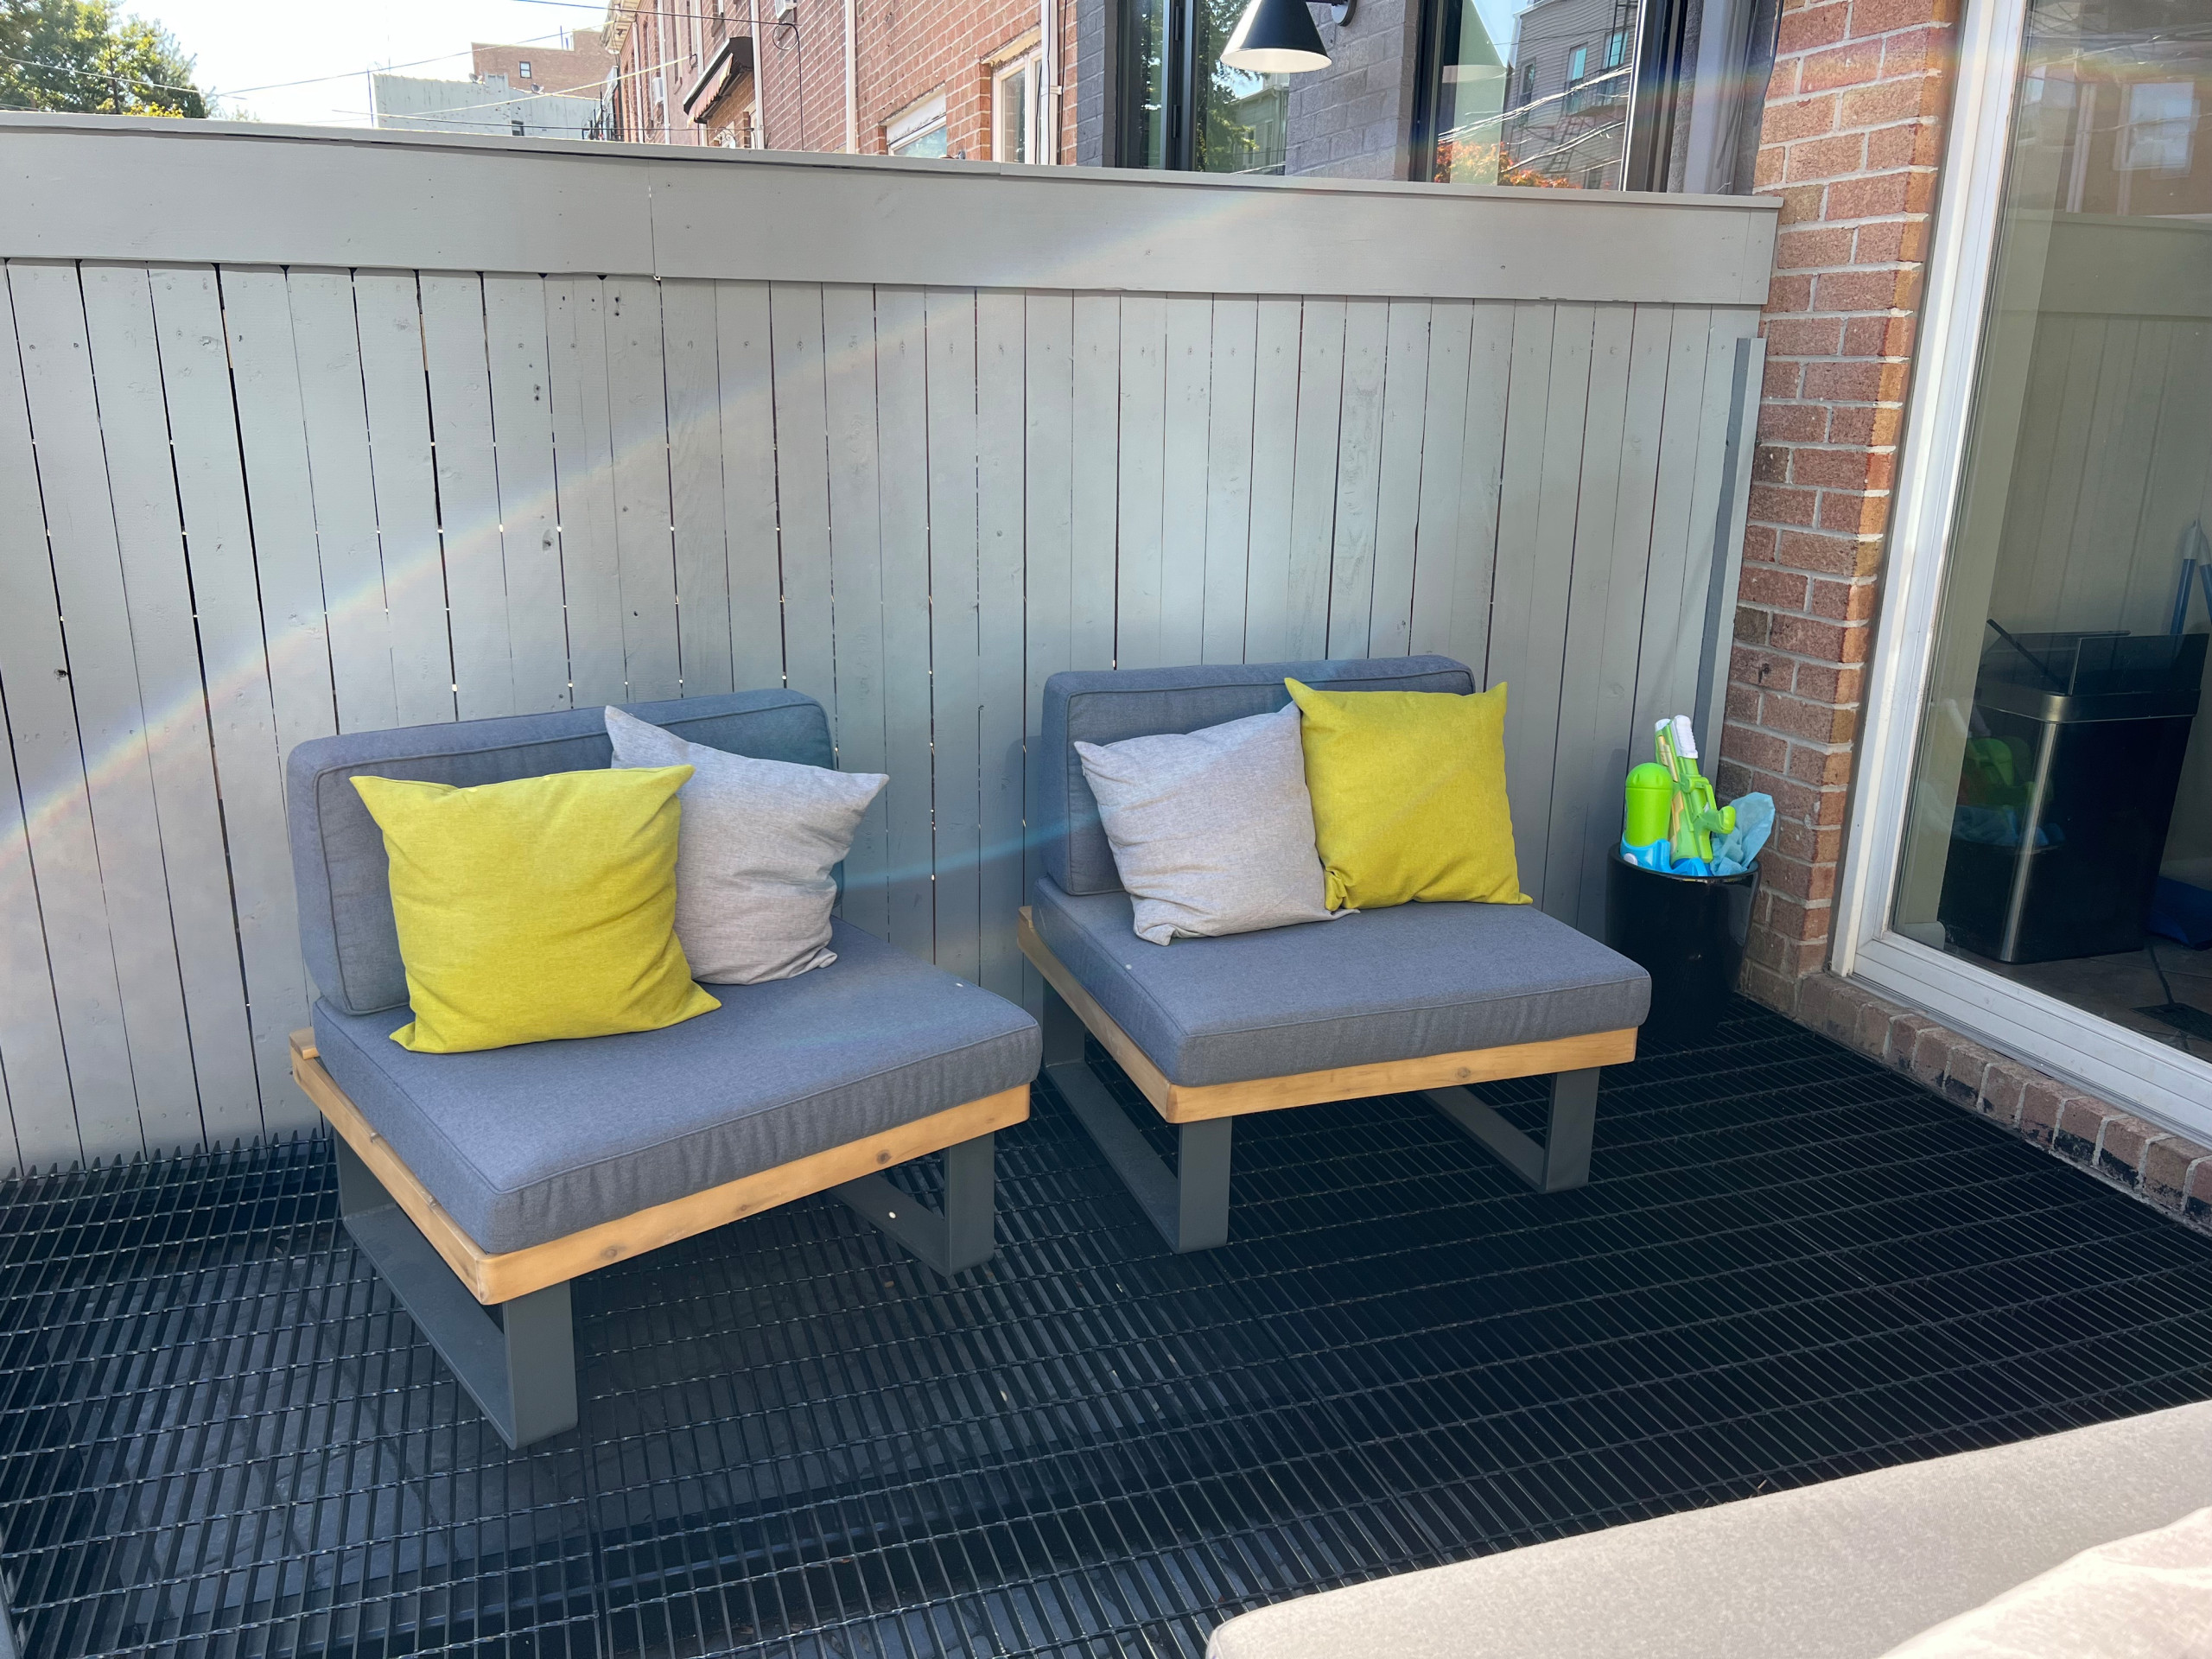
pixel 1732 853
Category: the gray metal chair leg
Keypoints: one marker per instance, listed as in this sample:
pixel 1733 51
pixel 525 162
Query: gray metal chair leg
pixel 518 1361
pixel 961 1235
pixel 1563 1159
pixel 1188 1205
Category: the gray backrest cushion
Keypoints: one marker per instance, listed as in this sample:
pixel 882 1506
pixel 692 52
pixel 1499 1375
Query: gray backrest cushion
pixel 1108 707
pixel 347 931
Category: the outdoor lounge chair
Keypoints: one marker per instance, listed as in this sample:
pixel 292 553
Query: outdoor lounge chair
pixel 480 1184
pixel 1422 998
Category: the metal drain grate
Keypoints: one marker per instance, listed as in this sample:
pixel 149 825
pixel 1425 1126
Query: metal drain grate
pixel 217 1437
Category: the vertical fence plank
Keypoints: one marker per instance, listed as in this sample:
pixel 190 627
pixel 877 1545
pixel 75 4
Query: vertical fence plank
pixel 689 334
pixel 1400 473
pixel 1278 329
pixel 256 314
pixel 183 889
pixel 1229 479
pixel 460 371
pixel 637 413
pixel 857 714
pixel 1587 744
pixel 1141 499
pixel 803 489
pixel 1095 427
pixel 903 497
pixel 1048 394
pixel 41 1127
pixel 1613 740
pixel 1313 488
pixel 583 465
pixel 1436 551
pixel 529 521
pixel 955 636
pixel 63 856
pixel 103 686
pixel 1189 374
pixel 749 440
pixel 341 496
pixel 999 480
pixel 1466 632
pixel 1665 658
pixel 388 312
pixel 1359 456
pixel 244 659
pixel 1521 551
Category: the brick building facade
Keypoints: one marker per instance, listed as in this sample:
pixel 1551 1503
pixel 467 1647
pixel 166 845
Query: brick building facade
pixel 1851 142
pixel 581 67
pixel 974 80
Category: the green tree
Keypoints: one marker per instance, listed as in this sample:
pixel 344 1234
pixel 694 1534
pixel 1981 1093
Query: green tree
pixel 86 55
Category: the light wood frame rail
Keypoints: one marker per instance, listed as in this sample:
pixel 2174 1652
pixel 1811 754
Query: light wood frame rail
pixel 1186 1104
pixel 494 1277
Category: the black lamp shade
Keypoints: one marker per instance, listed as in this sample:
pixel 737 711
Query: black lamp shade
pixel 1275 37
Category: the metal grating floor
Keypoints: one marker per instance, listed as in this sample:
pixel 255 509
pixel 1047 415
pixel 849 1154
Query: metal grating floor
pixel 217 1437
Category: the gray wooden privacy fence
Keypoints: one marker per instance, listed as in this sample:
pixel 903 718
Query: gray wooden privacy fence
pixel 296 438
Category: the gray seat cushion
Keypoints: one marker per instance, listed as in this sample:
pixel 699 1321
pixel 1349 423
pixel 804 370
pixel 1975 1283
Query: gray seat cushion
pixel 526 1144
pixel 1380 985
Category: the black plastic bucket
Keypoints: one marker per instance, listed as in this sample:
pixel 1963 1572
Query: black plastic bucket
pixel 1687 932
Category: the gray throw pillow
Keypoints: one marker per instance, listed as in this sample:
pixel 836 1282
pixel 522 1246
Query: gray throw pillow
pixel 753 855
pixel 1213 831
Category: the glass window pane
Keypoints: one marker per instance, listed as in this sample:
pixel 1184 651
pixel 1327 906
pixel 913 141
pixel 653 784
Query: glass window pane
pixel 1243 118
pixel 1471 100
pixel 2064 769
pixel 1569 125
pixel 1148 91
pixel 1013 115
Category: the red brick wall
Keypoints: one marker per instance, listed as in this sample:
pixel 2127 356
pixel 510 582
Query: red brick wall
pixel 907 49
pixel 1851 138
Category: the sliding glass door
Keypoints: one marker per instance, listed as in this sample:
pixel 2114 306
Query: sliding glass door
pixel 2054 834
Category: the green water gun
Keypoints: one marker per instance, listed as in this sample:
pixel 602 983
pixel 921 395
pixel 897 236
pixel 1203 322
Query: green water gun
pixel 1696 817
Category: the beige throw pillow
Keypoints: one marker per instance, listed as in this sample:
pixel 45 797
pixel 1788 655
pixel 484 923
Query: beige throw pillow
pixel 1213 831
pixel 754 852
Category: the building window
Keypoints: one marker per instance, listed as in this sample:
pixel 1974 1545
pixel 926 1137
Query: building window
pixel 1578 64
pixel 1014 110
pixel 523 68
pixel 2161 118
pixel 918 131
pixel 2046 840
pixel 1187 110
pixel 1616 49
pixel 1527 83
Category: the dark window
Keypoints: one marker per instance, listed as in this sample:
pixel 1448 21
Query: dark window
pixel 1187 110
pixel 523 68
pixel 1463 106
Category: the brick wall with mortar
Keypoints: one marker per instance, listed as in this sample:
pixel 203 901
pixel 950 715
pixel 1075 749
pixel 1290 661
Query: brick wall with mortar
pixel 2163 1169
pixel 1851 140
pixel 907 50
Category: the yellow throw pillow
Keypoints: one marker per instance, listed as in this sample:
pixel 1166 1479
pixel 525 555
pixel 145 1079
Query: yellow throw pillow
pixel 537 909
pixel 1408 793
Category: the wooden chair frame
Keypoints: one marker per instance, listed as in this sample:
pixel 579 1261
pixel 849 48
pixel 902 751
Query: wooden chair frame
pixel 501 1319
pixel 1190 1206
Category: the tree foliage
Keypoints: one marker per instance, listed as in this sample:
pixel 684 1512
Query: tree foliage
pixel 86 55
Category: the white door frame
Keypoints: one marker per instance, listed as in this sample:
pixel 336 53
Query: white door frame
pixel 2122 1066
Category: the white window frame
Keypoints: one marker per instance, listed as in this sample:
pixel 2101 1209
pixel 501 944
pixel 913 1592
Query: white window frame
pixel 1030 66
pixel 917 121
pixel 2129 1067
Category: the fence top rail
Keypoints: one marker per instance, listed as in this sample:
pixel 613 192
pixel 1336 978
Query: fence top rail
pixel 143 190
